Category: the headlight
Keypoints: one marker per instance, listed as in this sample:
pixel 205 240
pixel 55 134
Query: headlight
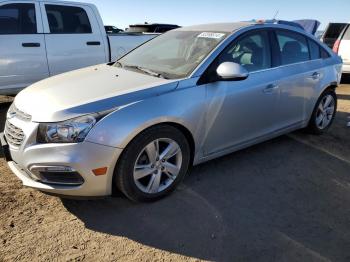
pixel 70 131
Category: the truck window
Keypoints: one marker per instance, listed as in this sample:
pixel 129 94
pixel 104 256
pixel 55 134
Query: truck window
pixel 347 34
pixel 334 30
pixel 17 19
pixel 67 20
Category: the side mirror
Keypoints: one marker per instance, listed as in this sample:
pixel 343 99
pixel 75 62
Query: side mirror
pixel 231 71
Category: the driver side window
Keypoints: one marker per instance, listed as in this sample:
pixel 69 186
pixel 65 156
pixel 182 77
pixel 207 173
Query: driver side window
pixel 251 51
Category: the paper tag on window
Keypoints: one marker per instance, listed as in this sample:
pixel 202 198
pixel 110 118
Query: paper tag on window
pixel 211 35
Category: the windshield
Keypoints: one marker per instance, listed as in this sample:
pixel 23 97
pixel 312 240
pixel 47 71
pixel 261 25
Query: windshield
pixel 172 55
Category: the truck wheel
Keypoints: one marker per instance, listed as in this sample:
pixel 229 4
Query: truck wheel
pixel 153 164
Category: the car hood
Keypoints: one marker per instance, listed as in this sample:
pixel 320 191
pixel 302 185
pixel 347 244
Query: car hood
pixel 88 90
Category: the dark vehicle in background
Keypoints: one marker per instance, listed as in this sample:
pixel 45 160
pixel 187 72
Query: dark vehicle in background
pixel 151 28
pixel 110 29
pixel 332 33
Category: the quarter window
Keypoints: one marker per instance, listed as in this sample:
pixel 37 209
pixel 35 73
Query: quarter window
pixel 251 51
pixel 324 53
pixel 67 20
pixel 293 48
pixel 17 19
pixel 315 51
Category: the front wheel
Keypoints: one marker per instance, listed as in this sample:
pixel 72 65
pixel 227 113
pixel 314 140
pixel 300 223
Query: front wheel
pixel 324 113
pixel 153 164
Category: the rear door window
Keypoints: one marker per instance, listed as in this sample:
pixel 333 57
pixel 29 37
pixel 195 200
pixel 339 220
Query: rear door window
pixel 67 20
pixel 17 19
pixel 293 47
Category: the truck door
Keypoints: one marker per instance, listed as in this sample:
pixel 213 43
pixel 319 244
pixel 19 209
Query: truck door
pixel 22 46
pixel 73 37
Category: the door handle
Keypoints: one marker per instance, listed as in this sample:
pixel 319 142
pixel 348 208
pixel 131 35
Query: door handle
pixel 31 44
pixel 93 43
pixel 270 88
pixel 315 75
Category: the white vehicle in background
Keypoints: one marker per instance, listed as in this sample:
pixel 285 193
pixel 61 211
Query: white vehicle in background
pixel 342 48
pixel 39 39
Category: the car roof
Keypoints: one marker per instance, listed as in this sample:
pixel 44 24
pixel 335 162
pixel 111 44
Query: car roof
pixel 218 27
pixel 153 24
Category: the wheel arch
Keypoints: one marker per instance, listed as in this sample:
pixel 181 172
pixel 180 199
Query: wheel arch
pixel 179 126
pixel 182 128
pixel 332 85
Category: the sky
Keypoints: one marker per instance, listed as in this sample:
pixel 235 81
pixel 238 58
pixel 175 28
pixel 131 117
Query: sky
pixel 121 13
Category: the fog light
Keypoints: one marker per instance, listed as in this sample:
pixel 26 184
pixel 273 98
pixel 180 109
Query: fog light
pixel 58 175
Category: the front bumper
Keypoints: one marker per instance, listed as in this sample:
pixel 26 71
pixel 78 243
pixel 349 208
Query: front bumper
pixel 82 157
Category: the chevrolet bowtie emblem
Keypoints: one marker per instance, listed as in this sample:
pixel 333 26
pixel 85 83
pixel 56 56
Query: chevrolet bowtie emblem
pixel 11 115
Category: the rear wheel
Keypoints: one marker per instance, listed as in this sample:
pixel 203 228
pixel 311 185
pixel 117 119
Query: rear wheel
pixel 324 113
pixel 153 164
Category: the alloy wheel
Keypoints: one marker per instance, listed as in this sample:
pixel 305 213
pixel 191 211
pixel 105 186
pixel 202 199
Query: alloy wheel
pixel 325 112
pixel 157 166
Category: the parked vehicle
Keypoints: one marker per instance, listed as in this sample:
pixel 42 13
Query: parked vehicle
pixel 39 39
pixel 151 28
pixel 342 47
pixel 332 33
pixel 113 29
pixel 183 98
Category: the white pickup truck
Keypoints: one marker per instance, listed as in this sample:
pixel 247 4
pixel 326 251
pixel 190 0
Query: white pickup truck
pixel 42 38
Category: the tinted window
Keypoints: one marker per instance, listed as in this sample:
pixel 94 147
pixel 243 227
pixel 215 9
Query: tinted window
pixel 324 53
pixel 17 19
pixel 347 34
pixel 67 20
pixel 315 51
pixel 251 51
pixel 293 47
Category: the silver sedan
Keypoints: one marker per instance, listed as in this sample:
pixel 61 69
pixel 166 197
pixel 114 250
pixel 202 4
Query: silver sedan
pixel 183 98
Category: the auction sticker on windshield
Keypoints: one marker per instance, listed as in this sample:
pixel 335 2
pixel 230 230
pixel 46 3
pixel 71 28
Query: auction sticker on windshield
pixel 211 35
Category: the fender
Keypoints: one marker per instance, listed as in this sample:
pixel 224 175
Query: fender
pixel 175 107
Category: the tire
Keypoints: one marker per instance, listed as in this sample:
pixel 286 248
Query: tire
pixel 314 126
pixel 138 159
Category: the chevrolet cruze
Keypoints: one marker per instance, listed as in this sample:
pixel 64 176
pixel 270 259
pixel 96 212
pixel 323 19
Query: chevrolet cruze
pixel 185 97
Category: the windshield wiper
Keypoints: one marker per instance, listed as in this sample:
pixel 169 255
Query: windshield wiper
pixel 146 70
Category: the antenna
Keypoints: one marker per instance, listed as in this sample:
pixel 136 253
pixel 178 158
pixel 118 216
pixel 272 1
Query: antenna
pixel 276 14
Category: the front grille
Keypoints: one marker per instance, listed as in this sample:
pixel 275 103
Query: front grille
pixel 14 135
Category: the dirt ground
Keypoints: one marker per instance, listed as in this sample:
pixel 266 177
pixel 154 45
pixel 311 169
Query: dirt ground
pixel 284 200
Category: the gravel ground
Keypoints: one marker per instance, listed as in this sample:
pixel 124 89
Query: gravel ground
pixel 284 200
